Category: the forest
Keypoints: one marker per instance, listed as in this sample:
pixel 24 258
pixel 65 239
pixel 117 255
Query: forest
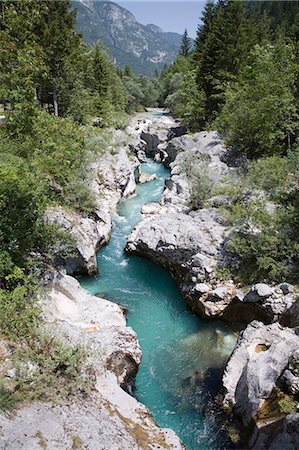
pixel 241 79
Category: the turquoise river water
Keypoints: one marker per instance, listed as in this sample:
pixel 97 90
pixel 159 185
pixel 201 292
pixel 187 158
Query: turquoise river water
pixel 183 356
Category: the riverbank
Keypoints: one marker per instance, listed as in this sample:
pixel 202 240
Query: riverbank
pixel 183 356
pixel 190 239
pixel 98 327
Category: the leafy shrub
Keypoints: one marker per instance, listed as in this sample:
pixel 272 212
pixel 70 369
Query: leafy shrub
pixel 8 400
pixel 48 370
pixel 18 305
pixel 120 120
pixel 287 405
pixel 195 169
pixel 269 174
pixel 265 247
pixel 265 216
pixel 21 227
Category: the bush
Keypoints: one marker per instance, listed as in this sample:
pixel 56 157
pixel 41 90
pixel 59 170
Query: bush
pixel 265 247
pixel 287 405
pixel 49 370
pixel 195 169
pixel 8 400
pixel 269 174
pixel 18 304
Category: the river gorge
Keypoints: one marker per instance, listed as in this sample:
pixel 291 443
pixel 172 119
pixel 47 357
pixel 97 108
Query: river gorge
pixel 182 355
pixel 140 295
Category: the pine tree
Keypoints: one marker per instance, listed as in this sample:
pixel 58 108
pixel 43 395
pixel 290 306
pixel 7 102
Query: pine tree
pixel 185 45
pixel 219 61
pixel 128 71
pixel 205 28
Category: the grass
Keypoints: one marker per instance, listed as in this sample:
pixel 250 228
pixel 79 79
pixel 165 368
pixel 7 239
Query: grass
pixel 77 442
pixel 8 400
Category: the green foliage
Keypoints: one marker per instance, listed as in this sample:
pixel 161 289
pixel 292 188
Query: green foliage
pixel 179 93
pixel 18 303
pixel 185 45
pixel 20 69
pixel 264 243
pixel 195 169
pixel 54 370
pixel 45 370
pixel 135 94
pixel 265 247
pixel 220 43
pixel 20 205
pixel 287 405
pixel 260 111
pixel 190 106
pixel 120 120
pixel 8 401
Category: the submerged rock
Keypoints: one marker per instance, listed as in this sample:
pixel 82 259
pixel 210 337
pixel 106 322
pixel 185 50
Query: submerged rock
pixel 146 177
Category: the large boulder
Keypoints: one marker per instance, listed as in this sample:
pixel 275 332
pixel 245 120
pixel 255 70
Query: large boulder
pixel 87 235
pixel 252 374
pixel 258 302
pixel 187 244
pixel 156 133
pixel 93 424
pixel 207 143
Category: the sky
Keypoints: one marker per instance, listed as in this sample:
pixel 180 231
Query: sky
pixel 170 15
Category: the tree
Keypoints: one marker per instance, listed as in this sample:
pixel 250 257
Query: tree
pixel 219 46
pixel 128 71
pixel 135 94
pixel 185 45
pixel 259 114
pixel 205 28
pixel 55 32
pixel 50 26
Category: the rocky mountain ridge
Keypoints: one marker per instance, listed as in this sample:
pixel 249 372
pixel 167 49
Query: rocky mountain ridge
pixel 145 47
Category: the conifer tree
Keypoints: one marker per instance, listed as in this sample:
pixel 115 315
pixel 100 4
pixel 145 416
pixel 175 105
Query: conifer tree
pixel 128 71
pixel 185 45
pixel 205 28
pixel 219 61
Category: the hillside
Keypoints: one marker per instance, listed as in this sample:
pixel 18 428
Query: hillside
pixel 144 47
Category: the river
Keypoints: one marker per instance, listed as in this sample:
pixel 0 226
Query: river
pixel 183 356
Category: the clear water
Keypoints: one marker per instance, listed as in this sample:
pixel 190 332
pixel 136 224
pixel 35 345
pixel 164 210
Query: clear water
pixel 182 355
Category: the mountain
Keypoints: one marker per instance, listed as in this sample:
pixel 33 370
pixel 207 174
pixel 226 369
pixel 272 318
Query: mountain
pixel 144 47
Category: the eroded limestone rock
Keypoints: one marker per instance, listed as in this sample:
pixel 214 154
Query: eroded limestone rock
pixel 109 418
pixel 260 357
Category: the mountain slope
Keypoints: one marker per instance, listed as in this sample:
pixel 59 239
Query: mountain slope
pixel 144 47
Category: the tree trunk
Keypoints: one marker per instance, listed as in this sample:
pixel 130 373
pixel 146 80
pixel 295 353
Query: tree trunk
pixel 39 97
pixel 56 112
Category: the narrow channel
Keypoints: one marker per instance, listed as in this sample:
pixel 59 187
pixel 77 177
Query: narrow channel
pixel 183 355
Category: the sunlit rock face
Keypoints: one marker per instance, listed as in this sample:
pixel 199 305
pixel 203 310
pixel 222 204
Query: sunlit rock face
pixel 260 379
